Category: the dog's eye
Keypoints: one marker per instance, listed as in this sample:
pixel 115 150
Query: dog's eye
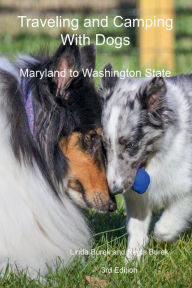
pixel 94 138
pixel 131 145
pixel 128 144
pixel 91 138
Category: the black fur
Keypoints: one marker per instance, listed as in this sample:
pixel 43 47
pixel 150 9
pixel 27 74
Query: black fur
pixel 55 116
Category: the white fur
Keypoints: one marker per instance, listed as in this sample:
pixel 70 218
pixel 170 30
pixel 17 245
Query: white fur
pixel 113 174
pixel 138 220
pixel 170 170
pixel 171 182
pixel 35 228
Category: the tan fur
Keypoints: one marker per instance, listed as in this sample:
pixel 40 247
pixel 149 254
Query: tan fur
pixel 84 169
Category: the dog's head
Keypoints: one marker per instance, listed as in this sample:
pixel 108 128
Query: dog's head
pixel 135 116
pixel 68 127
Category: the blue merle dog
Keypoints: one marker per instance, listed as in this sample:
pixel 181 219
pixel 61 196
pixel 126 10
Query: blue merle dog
pixel 147 123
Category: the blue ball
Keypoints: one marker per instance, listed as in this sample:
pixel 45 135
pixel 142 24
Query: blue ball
pixel 142 181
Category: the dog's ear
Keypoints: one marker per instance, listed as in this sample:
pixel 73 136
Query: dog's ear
pixel 109 78
pixel 108 82
pixel 153 96
pixel 88 56
pixel 65 60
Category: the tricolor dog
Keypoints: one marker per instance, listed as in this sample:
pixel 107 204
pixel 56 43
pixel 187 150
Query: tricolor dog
pixel 50 157
pixel 147 123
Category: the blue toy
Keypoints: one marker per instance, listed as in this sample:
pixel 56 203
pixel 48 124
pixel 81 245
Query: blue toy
pixel 142 181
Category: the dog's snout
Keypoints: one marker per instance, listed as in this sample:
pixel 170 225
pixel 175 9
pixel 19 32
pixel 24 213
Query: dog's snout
pixel 115 189
pixel 112 206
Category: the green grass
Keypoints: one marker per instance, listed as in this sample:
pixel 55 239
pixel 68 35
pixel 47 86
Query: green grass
pixel 171 270
pixel 109 233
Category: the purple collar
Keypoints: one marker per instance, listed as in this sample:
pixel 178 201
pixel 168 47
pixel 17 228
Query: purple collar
pixel 28 103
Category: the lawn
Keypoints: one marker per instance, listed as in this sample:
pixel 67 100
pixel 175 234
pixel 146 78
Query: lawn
pixel 174 269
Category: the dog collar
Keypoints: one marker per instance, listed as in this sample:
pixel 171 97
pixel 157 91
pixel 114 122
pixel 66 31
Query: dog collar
pixel 28 104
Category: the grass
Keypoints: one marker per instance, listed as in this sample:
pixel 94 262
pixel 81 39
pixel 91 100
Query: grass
pixel 172 270
pixel 109 234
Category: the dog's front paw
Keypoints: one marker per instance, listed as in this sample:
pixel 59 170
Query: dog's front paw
pixel 133 254
pixel 164 232
pixel 135 248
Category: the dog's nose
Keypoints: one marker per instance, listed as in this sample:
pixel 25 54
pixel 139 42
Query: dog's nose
pixel 112 206
pixel 116 190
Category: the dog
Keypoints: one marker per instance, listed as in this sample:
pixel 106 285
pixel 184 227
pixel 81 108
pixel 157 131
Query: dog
pixel 51 159
pixel 147 124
